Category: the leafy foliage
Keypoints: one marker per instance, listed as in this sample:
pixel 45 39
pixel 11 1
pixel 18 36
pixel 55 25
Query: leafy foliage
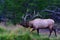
pixel 22 34
pixel 14 9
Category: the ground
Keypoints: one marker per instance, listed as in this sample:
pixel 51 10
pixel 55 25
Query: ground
pixel 43 32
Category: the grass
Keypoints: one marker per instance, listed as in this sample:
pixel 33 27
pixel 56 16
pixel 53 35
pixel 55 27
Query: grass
pixel 23 34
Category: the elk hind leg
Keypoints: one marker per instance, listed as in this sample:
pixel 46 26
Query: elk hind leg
pixel 50 29
pixel 55 31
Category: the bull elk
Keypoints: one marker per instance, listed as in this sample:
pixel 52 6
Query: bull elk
pixel 38 23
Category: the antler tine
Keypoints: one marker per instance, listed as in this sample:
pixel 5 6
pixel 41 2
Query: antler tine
pixel 25 17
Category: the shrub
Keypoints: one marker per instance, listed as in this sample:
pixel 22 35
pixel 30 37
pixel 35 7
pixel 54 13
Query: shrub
pixel 13 35
pixel 2 29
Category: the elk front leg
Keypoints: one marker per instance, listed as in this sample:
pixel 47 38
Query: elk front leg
pixel 38 31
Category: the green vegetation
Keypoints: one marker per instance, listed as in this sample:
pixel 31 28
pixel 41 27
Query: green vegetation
pixel 14 9
pixel 23 34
